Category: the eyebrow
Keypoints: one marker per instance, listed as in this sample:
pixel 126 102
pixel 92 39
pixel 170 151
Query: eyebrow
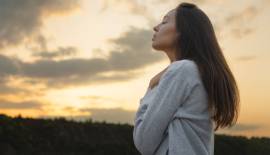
pixel 165 16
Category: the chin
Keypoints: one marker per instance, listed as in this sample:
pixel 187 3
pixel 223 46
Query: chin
pixel 155 46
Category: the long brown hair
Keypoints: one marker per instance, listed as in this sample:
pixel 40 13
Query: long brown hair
pixel 197 41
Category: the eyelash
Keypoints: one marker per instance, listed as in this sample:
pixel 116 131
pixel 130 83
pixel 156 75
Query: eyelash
pixel 163 22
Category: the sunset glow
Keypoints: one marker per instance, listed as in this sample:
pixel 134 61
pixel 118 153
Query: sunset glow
pixel 93 58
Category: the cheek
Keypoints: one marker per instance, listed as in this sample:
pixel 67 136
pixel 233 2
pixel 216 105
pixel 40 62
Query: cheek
pixel 167 35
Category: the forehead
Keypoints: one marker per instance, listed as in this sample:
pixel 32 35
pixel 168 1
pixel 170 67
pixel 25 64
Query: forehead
pixel 169 14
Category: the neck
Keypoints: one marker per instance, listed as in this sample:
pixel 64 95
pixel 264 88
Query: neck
pixel 171 55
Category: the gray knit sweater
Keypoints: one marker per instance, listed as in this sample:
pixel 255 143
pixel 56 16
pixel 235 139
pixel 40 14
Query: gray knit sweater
pixel 173 117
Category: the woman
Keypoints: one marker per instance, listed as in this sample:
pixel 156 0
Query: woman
pixel 176 115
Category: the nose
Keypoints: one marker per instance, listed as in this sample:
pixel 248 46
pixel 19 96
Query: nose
pixel 155 28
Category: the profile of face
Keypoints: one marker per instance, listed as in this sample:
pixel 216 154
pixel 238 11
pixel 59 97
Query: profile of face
pixel 165 33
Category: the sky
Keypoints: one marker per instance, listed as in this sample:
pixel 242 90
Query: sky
pixel 83 59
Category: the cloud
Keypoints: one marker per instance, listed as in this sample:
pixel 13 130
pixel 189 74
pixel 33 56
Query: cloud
pixel 246 58
pixel 5 89
pixel 95 98
pixel 60 52
pixel 240 21
pixel 4 104
pixel 134 7
pixel 132 51
pixel 21 20
pixel 143 9
pixel 245 127
pixel 242 32
pixel 246 14
pixel 110 115
pixel 9 66
pixel 114 115
pixel 178 2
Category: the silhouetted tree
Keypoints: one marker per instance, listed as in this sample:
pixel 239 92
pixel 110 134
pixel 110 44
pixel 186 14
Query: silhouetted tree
pixel 57 136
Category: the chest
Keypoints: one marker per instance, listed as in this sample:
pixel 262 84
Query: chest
pixel 148 96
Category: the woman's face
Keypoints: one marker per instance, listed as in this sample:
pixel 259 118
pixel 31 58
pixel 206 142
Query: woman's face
pixel 165 33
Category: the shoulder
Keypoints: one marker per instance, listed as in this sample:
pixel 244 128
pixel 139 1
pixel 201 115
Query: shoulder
pixel 184 65
pixel 184 69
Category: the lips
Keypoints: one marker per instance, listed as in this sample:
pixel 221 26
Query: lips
pixel 153 37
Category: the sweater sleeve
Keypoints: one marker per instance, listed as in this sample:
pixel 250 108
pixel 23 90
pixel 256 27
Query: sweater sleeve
pixel 153 119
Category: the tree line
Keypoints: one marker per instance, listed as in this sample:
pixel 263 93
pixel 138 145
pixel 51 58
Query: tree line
pixel 59 136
